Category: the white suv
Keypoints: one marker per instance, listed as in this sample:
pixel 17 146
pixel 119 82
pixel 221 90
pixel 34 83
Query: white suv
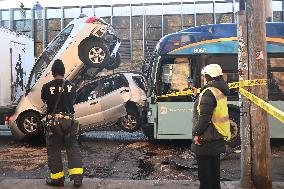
pixel 117 98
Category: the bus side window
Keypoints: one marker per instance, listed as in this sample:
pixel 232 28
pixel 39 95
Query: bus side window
pixel 275 75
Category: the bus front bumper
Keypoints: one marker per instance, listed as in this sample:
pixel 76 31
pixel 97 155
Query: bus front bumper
pixel 148 130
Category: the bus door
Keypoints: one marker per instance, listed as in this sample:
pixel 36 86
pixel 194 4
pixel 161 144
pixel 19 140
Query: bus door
pixel 174 113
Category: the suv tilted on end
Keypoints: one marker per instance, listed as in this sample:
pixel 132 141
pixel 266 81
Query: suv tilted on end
pixel 85 43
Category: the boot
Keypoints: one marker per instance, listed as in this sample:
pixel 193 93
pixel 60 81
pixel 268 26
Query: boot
pixel 55 182
pixel 77 179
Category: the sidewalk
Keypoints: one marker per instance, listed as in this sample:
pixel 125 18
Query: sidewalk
pixel 118 184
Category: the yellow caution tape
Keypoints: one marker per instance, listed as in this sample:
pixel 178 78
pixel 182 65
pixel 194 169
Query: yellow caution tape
pixel 247 83
pixel 233 85
pixel 181 93
pixel 278 114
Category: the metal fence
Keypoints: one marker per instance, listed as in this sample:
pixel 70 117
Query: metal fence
pixel 139 26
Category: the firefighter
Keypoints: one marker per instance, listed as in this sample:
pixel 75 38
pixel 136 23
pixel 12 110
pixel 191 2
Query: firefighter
pixel 59 96
pixel 211 126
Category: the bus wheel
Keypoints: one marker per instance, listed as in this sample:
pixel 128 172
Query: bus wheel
pixel 29 123
pixel 235 128
pixel 114 62
pixel 94 53
pixel 130 122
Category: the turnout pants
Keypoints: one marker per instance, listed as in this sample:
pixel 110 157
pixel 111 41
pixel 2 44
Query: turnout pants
pixel 209 171
pixel 63 135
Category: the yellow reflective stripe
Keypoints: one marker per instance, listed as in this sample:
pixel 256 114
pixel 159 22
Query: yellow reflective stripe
pixel 57 175
pixel 217 93
pixel 220 119
pixel 199 100
pixel 75 171
pixel 220 122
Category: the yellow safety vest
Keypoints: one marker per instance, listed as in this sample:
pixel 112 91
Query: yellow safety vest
pixel 220 117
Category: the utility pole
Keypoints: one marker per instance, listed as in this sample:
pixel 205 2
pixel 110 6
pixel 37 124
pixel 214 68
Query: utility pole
pixel 256 136
pixel 246 177
pixel 261 152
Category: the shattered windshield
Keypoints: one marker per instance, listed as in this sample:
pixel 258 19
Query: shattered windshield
pixel 175 75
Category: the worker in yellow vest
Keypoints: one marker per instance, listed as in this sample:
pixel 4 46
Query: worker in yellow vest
pixel 211 126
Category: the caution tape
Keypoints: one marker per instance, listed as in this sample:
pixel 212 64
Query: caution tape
pixel 181 93
pixel 247 83
pixel 278 114
pixel 233 85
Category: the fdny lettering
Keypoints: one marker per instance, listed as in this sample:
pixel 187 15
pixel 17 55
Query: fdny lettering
pixel 69 88
pixel 51 89
pixel 60 89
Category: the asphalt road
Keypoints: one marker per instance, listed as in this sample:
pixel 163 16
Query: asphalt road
pixel 123 156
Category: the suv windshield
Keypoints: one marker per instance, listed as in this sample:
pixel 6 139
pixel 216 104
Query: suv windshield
pixel 47 56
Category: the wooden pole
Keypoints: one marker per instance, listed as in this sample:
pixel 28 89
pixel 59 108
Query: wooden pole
pixel 246 178
pixel 261 152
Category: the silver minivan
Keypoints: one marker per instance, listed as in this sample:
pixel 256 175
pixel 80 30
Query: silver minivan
pixel 118 98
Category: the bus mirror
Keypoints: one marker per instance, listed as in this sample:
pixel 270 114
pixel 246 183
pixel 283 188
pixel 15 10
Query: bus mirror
pixel 153 100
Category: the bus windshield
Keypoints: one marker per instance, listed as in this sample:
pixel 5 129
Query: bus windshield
pixel 176 75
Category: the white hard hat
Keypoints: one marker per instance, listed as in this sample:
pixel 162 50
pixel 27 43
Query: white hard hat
pixel 213 70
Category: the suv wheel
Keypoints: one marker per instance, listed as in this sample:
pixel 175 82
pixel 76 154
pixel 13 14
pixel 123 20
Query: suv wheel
pixel 130 122
pixel 114 62
pixel 94 53
pixel 30 124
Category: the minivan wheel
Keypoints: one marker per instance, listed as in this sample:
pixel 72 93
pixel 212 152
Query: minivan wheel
pixel 94 53
pixel 114 62
pixel 130 122
pixel 235 129
pixel 30 124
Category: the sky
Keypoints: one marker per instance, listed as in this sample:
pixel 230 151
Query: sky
pixel 56 3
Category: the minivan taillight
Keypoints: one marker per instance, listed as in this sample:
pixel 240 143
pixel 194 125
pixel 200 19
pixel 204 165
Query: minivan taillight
pixel 92 19
pixel 7 119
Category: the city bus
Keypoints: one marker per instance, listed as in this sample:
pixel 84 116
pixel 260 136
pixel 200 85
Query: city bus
pixel 179 58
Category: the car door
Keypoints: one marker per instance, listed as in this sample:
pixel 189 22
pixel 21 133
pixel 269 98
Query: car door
pixel 88 107
pixel 113 98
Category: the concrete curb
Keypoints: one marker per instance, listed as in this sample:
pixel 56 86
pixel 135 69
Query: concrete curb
pixel 7 183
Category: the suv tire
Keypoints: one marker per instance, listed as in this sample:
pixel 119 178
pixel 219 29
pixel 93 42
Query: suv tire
pixel 130 122
pixel 114 62
pixel 30 124
pixel 94 53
